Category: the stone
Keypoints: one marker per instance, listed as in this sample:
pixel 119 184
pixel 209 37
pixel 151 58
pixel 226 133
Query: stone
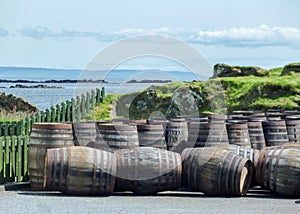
pixel 291 68
pixel 224 70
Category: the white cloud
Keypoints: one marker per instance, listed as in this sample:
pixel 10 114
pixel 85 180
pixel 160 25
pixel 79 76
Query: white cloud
pixel 249 37
pixel 3 32
pixel 261 36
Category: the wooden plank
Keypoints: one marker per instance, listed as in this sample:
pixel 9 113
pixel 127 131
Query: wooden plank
pixel 2 160
pixel 7 161
pixel 25 159
pixel 19 159
pixel 13 158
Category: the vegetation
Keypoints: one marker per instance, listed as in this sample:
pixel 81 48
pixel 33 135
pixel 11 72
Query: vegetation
pixel 219 95
pixel 102 111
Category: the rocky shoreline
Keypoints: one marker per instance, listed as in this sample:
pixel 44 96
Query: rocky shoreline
pixel 53 81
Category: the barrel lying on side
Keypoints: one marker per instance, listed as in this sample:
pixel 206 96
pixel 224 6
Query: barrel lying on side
pixel 147 170
pixel 216 171
pixel 44 136
pixel 278 169
pixel 80 171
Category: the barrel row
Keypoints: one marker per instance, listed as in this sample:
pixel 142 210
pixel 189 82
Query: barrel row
pixel 144 170
pixel 82 170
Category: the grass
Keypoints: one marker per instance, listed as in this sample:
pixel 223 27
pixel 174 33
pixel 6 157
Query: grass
pixel 102 111
pixel 222 95
pixel 10 117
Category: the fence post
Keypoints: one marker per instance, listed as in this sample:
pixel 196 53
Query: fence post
pixel 13 128
pixel 82 106
pixel 25 160
pixel 102 94
pixel 38 117
pixel 63 112
pixel 48 116
pixel 58 113
pixel 53 113
pixel 93 98
pixel 88 102
pixel 73 108
pixel 98 95
pixel 77 109
pixel 2 163
pixel 27 126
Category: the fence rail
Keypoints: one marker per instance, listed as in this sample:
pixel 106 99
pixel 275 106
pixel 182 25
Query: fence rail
pixel 14 136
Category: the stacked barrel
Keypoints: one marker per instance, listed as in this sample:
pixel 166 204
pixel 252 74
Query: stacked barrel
pixel 215 154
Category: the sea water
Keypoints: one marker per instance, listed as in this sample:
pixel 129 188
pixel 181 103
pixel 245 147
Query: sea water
pixel 44 98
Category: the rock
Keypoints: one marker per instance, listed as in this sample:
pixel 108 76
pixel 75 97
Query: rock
pixel 34 86
pixel 9 104
pixel 291 68
pixel 223 70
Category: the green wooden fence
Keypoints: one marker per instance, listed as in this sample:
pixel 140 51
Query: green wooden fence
pixel 13 159
pixel 14 136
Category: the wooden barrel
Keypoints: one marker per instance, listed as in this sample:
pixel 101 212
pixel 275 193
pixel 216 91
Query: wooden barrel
pixel 278 169
pixel 80 171
pixel 216 171
pixel 275 132
pixel 293 129
pixel 216 118
pixel 151 136
pixel 207 134
pixel 257 116
pixel 117 136
pixel 85 133
pixel 238 134
pixel 256 134
pixel 147 170
pixel 44 136
pixel 176 135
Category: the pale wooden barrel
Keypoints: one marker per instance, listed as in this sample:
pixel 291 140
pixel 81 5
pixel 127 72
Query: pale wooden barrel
pixel 176 135
pixel 147 170
pixel 207 134
pixel 117 136
pixel 238 134
pixel 44 136
pixel 275 132
pixel 216 171
pixel 80 171
pixel 84 133
pixel 151 135
pixel 293 128
pixel 278 169
pixel 256 134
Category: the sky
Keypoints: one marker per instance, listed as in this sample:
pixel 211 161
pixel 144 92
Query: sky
pixel 68 34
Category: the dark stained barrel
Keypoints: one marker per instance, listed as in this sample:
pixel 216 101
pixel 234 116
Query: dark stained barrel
pixel 80 171
pixel 238 134
pixel 216 118
pixel 275 132
pixel 176 135
pixel 257 116
pixel 44 136
pixel 85 133
pixel 151 136
pixel 207 134
pixel 116 136
pixel 278 169
pixel 147 170
pixel 256 134
pixel 216 171
pixel 293 129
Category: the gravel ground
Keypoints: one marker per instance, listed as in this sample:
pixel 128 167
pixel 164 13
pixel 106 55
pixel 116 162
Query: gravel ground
pixel 256 201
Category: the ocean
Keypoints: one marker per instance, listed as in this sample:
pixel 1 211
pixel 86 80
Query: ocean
pixel 116 82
